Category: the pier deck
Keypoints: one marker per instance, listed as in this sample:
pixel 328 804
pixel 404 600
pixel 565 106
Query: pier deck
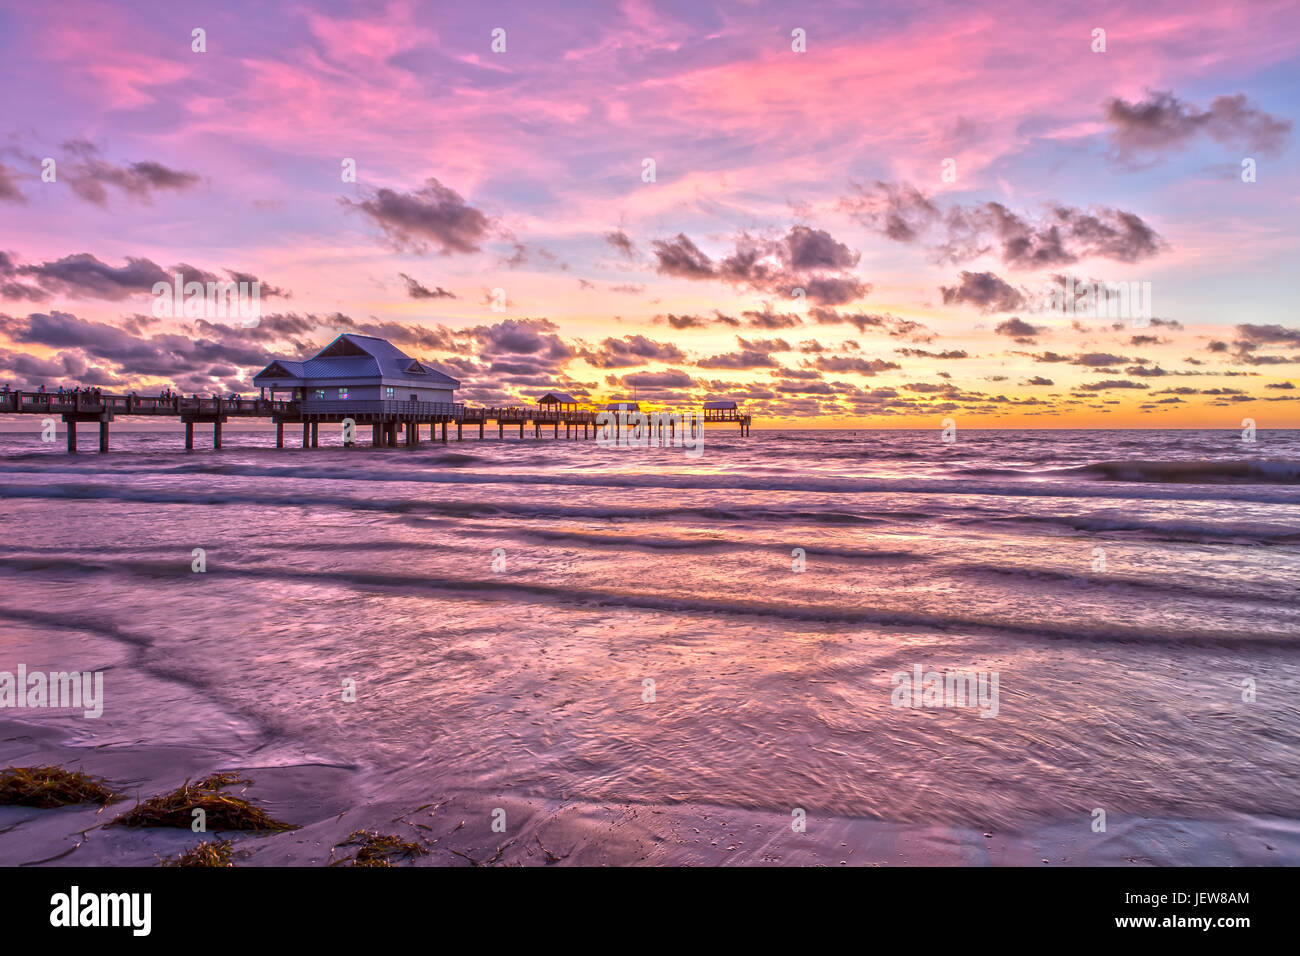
pixel 384 417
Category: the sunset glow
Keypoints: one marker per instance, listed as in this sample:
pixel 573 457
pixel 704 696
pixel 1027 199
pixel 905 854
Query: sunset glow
pixel 921 172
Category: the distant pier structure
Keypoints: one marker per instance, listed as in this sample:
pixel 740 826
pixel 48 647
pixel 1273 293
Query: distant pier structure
pixel 356 380
pixel 727 411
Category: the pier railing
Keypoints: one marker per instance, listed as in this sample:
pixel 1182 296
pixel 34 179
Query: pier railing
pixel 90 403
pixel 388 408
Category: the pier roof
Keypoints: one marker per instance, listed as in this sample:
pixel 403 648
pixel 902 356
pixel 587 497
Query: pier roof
pixel 355 359
pixel 557 398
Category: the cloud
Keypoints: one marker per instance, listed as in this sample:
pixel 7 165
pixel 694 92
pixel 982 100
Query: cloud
pixel 82 275
pixel 1058 235
pixel 682 258
pixel 767 319
pixel 985 290
pixel 836 363
pixel 89 175
pixel 1109 384
pixel 685 321
pixel 890 324
pixel 200 361
pixel 1251 338
pixel 417 291
pixel 9 191
pixel 747 358
pixel 1018 329
pixel 805 258
pixel 622 243
pixel 1099 360
pixel 631 350
pixel 898 212
pixel 658 381
pixel 922 353
pixel 1162 121
pixel 433 216
pixel 806 249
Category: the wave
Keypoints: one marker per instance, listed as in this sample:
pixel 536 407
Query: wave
pixel 1266 473
pixel 1108 581
pixel 629 511
pixel 570 594
pixel 625 510
pixel 1191 472
pixel 1186 530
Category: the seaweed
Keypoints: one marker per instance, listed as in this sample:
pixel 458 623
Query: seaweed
pixel 377 849
pixel 207 853
pixel 222 810
pixel 48 787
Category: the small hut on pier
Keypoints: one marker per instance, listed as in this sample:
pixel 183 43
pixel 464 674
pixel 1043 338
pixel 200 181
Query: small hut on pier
pixel 557 405
pixel 356 368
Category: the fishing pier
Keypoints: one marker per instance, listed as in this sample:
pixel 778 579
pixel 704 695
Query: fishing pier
pixel 392 423
pixel 355 381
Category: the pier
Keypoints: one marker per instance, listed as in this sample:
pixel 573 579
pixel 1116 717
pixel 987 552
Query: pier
pixel 391 422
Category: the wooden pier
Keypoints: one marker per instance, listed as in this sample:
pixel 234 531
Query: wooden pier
pixel 717 415
pixel 386 418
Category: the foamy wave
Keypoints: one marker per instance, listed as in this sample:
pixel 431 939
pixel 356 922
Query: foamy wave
pixel 1192 472
pixel 569 594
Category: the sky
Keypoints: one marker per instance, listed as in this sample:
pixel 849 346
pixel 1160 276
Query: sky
pixel 840 214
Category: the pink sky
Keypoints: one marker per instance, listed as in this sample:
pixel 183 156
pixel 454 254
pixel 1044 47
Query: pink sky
pixel 775 170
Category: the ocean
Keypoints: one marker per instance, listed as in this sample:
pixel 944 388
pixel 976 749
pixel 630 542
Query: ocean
pixel 549 624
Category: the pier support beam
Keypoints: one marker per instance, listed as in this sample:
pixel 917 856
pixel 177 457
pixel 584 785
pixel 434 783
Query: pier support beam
pixel 189 436
pixel 480 430
pixel 444 433
pixel 279 434
pixel 103 438
pixel 71 428
pixel 501 430
pixel 314 427
pixel 216 434
pixel 521 431
pixel 376 436
pixel 459 435
pixel 306 434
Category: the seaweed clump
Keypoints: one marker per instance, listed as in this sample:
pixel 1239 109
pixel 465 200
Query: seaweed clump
pixel 222 811
pixel 378 849
pixel 207 853
pixel 48 787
